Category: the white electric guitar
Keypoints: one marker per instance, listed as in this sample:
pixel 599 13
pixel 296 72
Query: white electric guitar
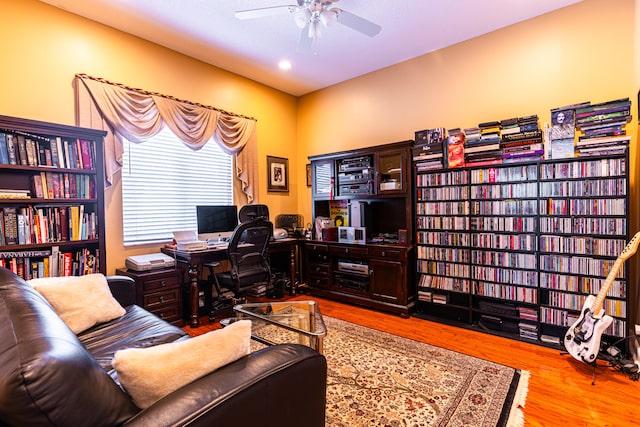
pixel 582 340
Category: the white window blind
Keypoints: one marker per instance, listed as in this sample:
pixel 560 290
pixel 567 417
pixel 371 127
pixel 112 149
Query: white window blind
pixel 162 182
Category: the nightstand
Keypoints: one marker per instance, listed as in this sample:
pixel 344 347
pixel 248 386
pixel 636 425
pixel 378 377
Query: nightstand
pixel 160 292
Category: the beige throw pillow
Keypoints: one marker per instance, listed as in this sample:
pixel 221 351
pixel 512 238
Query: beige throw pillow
pixel 81 301
pixel 149 374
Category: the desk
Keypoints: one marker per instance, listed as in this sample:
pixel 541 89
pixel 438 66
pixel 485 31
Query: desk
pixel 195 259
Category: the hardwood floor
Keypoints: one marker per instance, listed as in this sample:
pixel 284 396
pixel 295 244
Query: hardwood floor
pixel 560 390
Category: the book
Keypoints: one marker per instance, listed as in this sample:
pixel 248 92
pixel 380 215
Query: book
pixel 60 152
pixel 31 152
pixel 4 151
pixel 562 148
pixel 21 240
pixel 22 150
pixel 43 182
pixel 10 225
pixel 339 212
pixel 85 154
pixel 455 148
pixel 54 153
pixel 49 180
pixel 36 182
pixel 12 149
pixel 64 223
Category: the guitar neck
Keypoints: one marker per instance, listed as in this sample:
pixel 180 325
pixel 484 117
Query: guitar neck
pixel 628 251
pixel 597 304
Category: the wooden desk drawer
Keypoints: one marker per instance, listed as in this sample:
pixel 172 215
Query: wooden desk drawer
pixel 386 252
pixel 350 251
pixel 318 247
pixel 169 313
pixel 161 283
pixel 318 269
pixel 322 282
pixel 170 296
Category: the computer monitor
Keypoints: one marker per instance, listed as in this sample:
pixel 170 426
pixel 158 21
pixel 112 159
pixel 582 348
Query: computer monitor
pixel 216 222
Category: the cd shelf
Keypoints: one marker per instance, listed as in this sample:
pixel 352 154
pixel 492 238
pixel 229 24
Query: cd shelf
pixel 532 240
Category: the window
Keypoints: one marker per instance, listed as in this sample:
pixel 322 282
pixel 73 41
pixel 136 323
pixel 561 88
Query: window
pixel 162 182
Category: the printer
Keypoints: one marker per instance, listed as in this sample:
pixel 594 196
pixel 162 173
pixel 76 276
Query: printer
pixel 187 240
pixel 149 262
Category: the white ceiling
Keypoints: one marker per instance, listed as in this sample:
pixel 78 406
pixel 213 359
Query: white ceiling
pixel 207 30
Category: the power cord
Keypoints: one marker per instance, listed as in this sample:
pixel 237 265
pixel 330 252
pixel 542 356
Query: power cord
pixel 615 357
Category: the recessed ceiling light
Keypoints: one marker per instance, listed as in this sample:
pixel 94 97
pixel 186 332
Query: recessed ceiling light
pixel 284 64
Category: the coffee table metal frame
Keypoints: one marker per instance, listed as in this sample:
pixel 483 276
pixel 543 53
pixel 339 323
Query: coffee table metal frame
pixel 301 317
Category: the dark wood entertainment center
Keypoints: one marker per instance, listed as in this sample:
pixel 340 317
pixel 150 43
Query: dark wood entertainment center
pixel 375 273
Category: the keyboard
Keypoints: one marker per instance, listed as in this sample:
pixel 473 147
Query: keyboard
pixel 218 245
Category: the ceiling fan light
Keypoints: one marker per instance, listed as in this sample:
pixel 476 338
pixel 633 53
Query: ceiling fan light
pixel 301 17
pixel 314 30
pixel 329 17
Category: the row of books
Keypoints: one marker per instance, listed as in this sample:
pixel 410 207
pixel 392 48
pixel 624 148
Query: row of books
pixel 51 263
pixel 46 224
pixel 519 139
pixel 489 143
pixel 54 185
pixel 428 296
pixel 429 149
pixel 21 148
pixel 602 126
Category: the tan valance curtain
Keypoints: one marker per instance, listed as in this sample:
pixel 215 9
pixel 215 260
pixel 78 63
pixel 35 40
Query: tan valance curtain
pixel 137 115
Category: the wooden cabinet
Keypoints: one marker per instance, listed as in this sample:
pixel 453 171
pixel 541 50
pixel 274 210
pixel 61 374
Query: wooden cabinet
pixel 160 292
pixel 372 188
pixel 52 204
pixel 370 275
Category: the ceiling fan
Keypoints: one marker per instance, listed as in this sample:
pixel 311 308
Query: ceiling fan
pixel 311 16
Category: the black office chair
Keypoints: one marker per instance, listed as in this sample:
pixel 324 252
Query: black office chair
pixel 251 212
pixel 249 258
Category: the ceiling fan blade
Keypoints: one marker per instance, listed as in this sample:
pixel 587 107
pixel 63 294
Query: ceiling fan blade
pixel 265 11
pixel 304 42
pixel 357 23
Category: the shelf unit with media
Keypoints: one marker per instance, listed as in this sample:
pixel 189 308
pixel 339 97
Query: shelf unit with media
pixel 52 198
pixel 371 188
pixel 515 249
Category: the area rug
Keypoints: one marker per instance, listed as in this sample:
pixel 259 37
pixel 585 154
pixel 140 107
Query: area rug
pixel 379 379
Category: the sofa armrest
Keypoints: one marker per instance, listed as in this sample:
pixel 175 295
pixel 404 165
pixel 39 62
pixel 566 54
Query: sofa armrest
pixel 282 385
pixel 123 289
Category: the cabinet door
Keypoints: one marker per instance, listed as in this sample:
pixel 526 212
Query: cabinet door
pixel 387 280
pixel 322 178
pixel 391 172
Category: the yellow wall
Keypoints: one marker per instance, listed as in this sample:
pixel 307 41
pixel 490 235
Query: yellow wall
pixel 44 47
pixel 583 52
pixel 588 51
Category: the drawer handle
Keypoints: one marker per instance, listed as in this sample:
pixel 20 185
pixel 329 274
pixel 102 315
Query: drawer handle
pixel 384 253
pixel 346 250
pixel 163 284
pixel 161 299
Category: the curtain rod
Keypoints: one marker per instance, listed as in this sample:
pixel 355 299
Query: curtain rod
pixel 146 92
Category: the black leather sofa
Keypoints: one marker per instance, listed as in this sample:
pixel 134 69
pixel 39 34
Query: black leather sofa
pixel 51 377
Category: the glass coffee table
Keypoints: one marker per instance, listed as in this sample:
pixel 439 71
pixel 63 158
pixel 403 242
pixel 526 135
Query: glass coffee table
pixel 282 322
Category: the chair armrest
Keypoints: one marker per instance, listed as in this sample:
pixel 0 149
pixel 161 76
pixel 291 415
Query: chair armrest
pixel 279 386
pixel 123 289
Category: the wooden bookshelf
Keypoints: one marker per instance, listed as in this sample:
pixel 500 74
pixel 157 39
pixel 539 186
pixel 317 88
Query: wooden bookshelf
pixel 52 182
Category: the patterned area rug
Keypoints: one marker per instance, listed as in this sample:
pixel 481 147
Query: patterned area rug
pixel 379 379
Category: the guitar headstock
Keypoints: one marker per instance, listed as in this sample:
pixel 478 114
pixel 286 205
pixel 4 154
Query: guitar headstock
pixel 631 247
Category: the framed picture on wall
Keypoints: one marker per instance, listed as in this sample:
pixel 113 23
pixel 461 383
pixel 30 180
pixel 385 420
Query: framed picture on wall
pixel 309 175
pixel 278 169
